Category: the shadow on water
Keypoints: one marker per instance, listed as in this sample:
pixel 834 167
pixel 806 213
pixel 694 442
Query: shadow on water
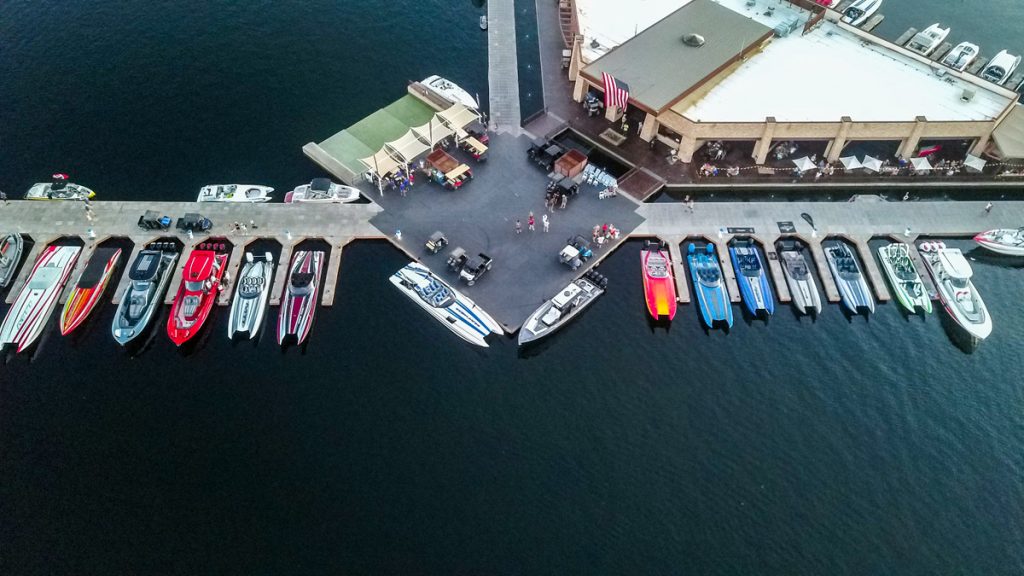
pixel 993 259
pixel 957 335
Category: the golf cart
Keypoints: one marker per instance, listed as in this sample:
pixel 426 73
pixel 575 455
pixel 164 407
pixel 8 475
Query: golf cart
pixel 576 252
pixel 436 242
pixel 475 267
pixel 154 221
pixel 545 152
pixel 456 258
pixel 194 222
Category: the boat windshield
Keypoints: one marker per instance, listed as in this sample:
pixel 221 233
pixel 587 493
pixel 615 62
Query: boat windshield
pixel 137 306
pixel 854 13
pixel 302 283
pixel 194 286
pixel 749 264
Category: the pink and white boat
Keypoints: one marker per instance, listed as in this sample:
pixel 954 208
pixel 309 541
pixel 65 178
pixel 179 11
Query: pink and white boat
pixel 37 299
pixel 298 301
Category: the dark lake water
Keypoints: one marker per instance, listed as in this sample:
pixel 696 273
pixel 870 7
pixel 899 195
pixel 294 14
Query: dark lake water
pixel 386 445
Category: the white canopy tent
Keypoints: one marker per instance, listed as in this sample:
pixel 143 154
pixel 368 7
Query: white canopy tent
pixel 380 164
pixel 851 163
pixel 974 164
pixel 408 147
pixel 804 164
pixel 433 132
pixel 458 117
pixel 921 164
pixel 871 163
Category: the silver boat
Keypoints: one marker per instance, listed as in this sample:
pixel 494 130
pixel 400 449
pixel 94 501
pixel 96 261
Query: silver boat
pixel 10 254
pixel 802 288
pixel 565 306
pixel 251 295
pixel 150 274
pixel 853 288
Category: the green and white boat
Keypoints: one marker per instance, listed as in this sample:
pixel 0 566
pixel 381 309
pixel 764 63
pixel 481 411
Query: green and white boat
pixel 904 278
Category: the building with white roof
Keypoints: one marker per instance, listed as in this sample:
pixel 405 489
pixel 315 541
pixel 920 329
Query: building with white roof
pixel 773 70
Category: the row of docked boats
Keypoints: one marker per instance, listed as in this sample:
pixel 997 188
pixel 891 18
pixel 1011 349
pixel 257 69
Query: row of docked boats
pixel 149 277
pixel 320 190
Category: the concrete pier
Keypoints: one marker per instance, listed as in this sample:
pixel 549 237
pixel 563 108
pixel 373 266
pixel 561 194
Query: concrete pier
pixel 678 270
pixel 46 222
pixel 284 261
pixel 906 36
pixel 872 270
pixel 503 66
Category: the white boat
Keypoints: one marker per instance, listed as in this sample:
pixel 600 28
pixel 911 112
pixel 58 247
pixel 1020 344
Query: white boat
pixel 853 288
pixel 859 12
pixel 250 193
pixel 59 190
pixel 28 315
pixel 460 314
pixel 952 275
pixel 1003 241
pixel 960 57
pixel 926 41
pixel 999 69
pixel 251 294
pixel 11 247
pixel 903 275
pixel 565 305
pixel 802 288
pixel 450 91
pixel 324 191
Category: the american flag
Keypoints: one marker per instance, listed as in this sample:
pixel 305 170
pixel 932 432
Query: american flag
pixel 616 92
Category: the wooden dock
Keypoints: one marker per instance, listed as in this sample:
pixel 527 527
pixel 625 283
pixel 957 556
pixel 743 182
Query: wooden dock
pixel 873 22
pixel 906 36
pixel 287 224
pixel 941 51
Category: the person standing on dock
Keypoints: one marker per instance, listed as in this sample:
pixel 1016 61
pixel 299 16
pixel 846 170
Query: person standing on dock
pixel 519 226
pixel 988 208
pixel 544 220
pixel 530 223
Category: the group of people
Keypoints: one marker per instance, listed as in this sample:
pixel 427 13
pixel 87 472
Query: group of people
pixel 531 223
pixel 400 180
pixel 604 233
pixel 709 169
pixel 555 198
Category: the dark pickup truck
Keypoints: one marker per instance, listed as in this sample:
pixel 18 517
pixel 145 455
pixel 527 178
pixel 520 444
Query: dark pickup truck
pixel 545 152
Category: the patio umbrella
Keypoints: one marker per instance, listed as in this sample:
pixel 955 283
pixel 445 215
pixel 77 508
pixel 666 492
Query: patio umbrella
pixel 974 164
pixel 851 163
pixel 804 164
pixel 871 163
pixel 921 164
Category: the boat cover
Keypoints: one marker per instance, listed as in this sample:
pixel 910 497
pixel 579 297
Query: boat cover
pixel 566 296
pixel 320 184
pixel 145 266
pixel 93 273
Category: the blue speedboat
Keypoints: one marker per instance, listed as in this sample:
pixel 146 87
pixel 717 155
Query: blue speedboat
pixel 751 277
pixel 712 295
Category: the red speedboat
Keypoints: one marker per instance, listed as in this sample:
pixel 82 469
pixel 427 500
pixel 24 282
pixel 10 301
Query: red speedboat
pixel 197 293
pixel 298 302
pixel 89 289
pixel 659 283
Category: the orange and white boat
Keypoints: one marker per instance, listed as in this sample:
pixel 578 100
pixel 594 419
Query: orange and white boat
pixel 89 288
pixel 659 283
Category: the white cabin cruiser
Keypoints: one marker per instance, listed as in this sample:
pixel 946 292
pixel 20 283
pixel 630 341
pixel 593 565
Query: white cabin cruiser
pixel 859 12
pixel 251 295
pixel 58 190
pixel 961 56
pixel 322 190
pixel 999 69
pixel 802 288
pixel 250 193
pixel 952 274
pixel 460 314
pixel 1003 241
pixel 450 91
pixel 926 41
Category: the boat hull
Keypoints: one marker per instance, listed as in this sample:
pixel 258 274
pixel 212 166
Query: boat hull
pixel 463 317
pixel 853 288
pixel 141 299
pixel 298 302
pixel 803 290
pixel 11 248
pixel 89 289
pixel 659 283
pixel 712 298
pixel 37 299
pixel 1002 241
pixel 910 291
pixel 192 304
pixel 251 295
pixel 754 288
